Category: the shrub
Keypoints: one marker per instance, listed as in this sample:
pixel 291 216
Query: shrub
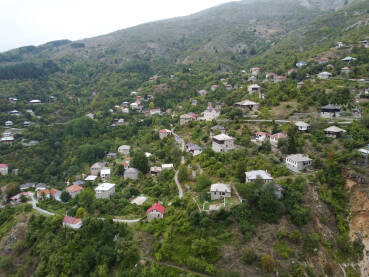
pixel 267 263
pixel 249 256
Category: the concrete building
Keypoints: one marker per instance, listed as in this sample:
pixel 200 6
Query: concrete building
pixel 156 211
pixel 253 175
pixel 72 222
pixel 4 169
pixel 333 132
pixel 124 149
pixel 324 75
pixel 220 191
pixel 247 105
pixel 95 169
pixel 105 174
pixel 104 190
pixel 298 162
pixel 222 143
pixel 330 111
pixel 302 126
pixel 131 173
pixel 74 190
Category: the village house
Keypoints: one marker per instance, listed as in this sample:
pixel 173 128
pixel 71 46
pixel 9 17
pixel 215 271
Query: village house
pixel 27 186
pixel 167 166
pixel 330 111
pixel 91 178
pixel 79 183
pixel 345 71
pixel 222 143
pixel 90 115
pixel 290 71
pixel 14 112
pixel 229 87
pixel 300 84
pixel 324 75
pixel 95 169
pixel 9 123
pixel 185 118
pixel 254 88
pixel 194 102
pixel 365 43
pixel 4 169
pixel 220 191
pixel 111 156
pixel 301 64
pixel 279 79
pixel 255 71
pixel 164 133
pixel 298 162
pixel 48 193
pixel 302 126
pixel 104 190
pixel 276 137
pixel 156 111
pixel 270 76
pixel 156 211
pixel 339 44
pixel 214 88
pixel 35 102
pixel 194 149
pixel 26 124
pixel 323 60
pixel 212 113
pixel 105 174
pixel 40 186
pixel 155 170
pixel 247 105
pixel 252 79
pixel 124 149
pixel 333 132
pixel 72 222
pixel 7 140
pixel 12 100
pixel 74 190
pixel 16 199
pixel 253 175
pixel 261 136
pixel 202 92
pixel 131 173
pixel 217 129
pixel 348 59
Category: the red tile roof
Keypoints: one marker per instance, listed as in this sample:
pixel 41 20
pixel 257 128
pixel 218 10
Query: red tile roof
pixel 74 188
pixel 3 165
pixel 263 134
pixel 278 136
pixel 156 207
pixel 71 220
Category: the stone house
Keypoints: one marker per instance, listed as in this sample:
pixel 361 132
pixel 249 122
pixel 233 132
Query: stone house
pixel 222 143
pixel 258 174
pixel 4 169
pixel 298 162
pixel 105 174
pixel 124 149
pixel 333 132
pixel 95 169
pixel 131 173
pixel 220 191
pixel 104 190
pixel 74 190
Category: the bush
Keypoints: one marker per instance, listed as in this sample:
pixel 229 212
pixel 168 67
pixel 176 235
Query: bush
pixel 249 256
pixel 267 263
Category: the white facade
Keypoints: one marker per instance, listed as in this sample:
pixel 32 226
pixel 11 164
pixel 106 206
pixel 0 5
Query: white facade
pixel 223 143
pixel 258 174
pixel 324 75
pixel 124 149
pixel 105 174
pixel 302 126
pixel 220 191
pixel 298 162
pixel 104 190
pixel 3 169
pixel 211 114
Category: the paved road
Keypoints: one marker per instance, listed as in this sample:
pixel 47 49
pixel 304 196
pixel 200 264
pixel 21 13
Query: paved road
pixel 34 205
pixel 123 220
pixel 288 121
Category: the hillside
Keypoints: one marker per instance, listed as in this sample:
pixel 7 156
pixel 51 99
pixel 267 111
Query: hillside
pixel 193 146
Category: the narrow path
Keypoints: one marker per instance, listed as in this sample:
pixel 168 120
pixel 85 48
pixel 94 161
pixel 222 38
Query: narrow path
pixel 176 267
pixel 34 205
pixel 236 192
pixel 180 190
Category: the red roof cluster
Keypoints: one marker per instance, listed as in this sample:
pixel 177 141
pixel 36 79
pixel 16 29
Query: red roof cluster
pixel 156 207
pixel 3 165
pixel 71 220
pixel 74 188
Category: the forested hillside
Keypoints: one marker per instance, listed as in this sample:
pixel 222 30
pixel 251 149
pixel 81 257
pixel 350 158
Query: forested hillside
pixel 232 142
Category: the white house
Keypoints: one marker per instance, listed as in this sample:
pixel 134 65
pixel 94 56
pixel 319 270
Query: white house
pixel 194 149
pixel 276 137
pixel 333 132
pixel 164 133
pixel 261 136
pixel 104 190
pixel 212 113
pixel 302 126
pixel 156 211
pixel 248 105
pixel 72 222
pixel 105 174
pixel 324 75
pixel 35 102
pixel 258 174
pixel 220 191
pixel 124 149
pixel 9 123
pixel 255 71
pixel 4 169
pixel 155 170
pixel 298 162
pixel 222 143
pixel 167 166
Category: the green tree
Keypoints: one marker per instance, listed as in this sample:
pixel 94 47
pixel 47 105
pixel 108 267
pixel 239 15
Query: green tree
pixel 81 212
pixel 183 173
pixel 65 196
pixel 140 162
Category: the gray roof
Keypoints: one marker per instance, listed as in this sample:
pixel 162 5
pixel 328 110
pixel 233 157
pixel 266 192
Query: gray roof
pixel 253 175
pixel 220 187
pixel 335 129
pixel 299 158
pixel 331 107
pixel 79 182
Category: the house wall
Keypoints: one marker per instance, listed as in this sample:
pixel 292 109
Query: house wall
pixel 330 114
pixel 73 226
pixel 215 195
pixel 264 180
pixel 105 193
pixel 95 171
pixel 227 146
pixel 297 166
pixel 4 171
pixel 74 194
pixel 154 214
